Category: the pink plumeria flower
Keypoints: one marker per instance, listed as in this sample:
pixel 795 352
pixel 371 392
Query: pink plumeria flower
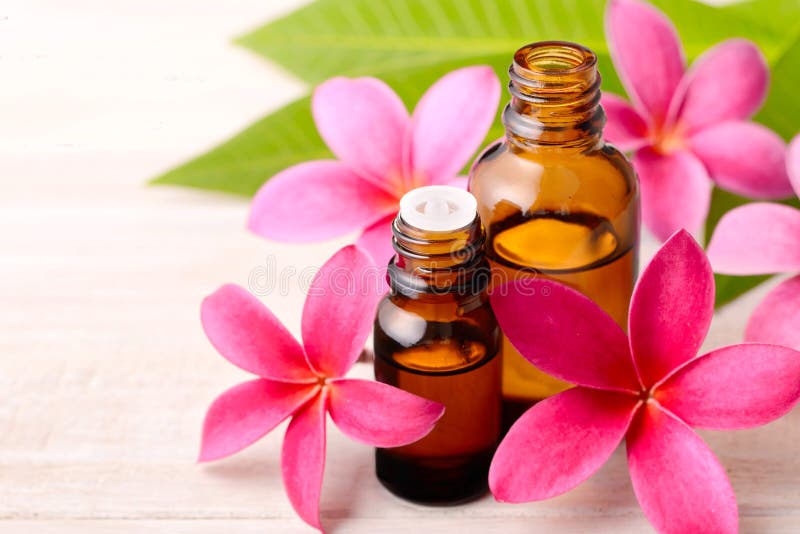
pixel 688 127
pixel 306 382
pixel 649 389
pixel 764 238
pixel 382 153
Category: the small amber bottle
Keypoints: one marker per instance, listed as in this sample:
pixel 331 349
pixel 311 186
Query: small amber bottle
pixel 436 336
pixel 557 202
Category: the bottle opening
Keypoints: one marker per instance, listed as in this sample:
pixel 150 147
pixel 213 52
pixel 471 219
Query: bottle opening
pixel 555 96
pixel 554 58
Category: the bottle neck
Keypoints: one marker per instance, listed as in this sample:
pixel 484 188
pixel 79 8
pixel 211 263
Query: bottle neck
pixel 555 97
pixel 429 264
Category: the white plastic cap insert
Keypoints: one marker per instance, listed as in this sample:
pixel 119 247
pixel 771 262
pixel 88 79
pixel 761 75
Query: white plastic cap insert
pixel 438 208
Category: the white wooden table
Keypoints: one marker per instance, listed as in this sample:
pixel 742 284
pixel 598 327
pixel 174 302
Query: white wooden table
pixel 105 373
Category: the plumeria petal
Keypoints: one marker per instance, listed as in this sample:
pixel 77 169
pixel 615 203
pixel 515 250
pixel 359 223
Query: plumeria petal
pixel 451 120
pixel 365 124
pixel 760 174
pixel 303 460
pixel 793 163
pixel 728 82
pixel 757 238
pixel 646 53
pixel 740 386
pixel 381 415
pixel 678 481
pixel 376 240
pixel 671 308
pixel 339 309
pixel 316 200
pixel 625 127
pixel 676 191
pixel 457 181
pixel 246 412
pixel 777 318
pixel 559 443
pixel 565 334
pixel 248 335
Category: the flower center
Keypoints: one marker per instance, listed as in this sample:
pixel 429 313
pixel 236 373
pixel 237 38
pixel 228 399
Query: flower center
pixel 406 182
pixel 322 381
pixel 668 140
pixel 414 181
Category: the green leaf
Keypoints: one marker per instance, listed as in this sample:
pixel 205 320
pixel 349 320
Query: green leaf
pixel 409 44
pixel 358 37
pixel 781 111
pixel 730 288
pixel 778 15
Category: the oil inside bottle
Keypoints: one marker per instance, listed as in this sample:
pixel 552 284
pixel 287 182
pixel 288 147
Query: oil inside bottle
pixel 554 242
pixel 581 250
pixel 454 366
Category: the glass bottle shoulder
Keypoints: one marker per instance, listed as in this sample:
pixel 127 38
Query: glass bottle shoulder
pixel 435 334
pixel 507 177
pixel 411 320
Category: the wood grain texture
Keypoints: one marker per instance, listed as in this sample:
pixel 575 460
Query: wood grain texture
pixel 105 373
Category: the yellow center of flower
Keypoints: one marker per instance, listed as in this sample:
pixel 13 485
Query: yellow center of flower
pixel 407 182
pixel 667 140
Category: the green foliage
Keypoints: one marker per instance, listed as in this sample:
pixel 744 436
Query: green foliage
pixel 411 43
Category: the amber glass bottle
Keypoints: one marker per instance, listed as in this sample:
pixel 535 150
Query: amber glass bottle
pixel 436 336
pixel 557 202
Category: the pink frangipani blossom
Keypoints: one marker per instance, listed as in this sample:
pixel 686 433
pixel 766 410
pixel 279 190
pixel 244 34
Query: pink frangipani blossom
pixel 648 388
pixel 382 153
pixel 306 382
pixel 764 238
pixel 688 127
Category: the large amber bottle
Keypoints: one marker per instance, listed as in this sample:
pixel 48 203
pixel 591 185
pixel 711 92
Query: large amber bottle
pixel 436 337
pixel 556 201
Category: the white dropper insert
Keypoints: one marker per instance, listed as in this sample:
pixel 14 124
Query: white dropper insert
pixel 438 208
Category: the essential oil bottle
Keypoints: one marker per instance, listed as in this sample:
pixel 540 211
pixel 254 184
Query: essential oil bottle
pixel 436 336
pixel 557 202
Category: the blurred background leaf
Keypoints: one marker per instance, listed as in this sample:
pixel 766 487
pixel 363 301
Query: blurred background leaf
pixel 411 43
